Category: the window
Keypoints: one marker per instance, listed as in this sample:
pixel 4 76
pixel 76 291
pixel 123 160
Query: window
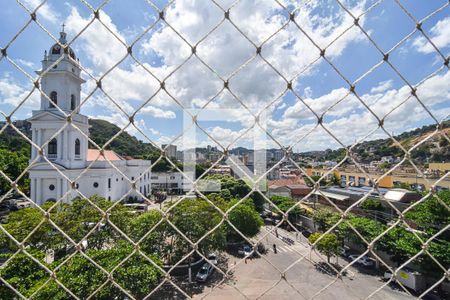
pixel 72 102
pixel 109 183
pixel 77 147
pixel 51 187
pixel 109 198
pixel 56 49
pixel 95 184
pixel 54 98
pixel 53 147
pixel 132 178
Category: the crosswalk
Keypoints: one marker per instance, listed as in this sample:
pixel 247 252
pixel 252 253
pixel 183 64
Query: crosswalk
pixel 288 249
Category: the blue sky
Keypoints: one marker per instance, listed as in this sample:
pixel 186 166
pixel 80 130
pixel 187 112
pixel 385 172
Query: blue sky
pixel 256 84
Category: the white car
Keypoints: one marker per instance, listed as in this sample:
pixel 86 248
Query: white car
pixel 212 258
pixel 205 271
pixel 364 260
pixel 246 251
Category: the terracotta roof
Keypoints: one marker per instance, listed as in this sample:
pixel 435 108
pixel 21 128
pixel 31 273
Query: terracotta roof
pixel 287 181
pixel 92 154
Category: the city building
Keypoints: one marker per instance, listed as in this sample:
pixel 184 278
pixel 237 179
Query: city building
pixel 171 150
pixel 355 177
pixel 170 182
pixel 67 146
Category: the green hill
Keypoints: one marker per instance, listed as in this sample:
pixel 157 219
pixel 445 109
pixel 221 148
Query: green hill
pixel 434 149
pixel 100 132
pixel 124 144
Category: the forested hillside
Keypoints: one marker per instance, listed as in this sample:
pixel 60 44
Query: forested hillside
pixel 435 149
pixel 124 144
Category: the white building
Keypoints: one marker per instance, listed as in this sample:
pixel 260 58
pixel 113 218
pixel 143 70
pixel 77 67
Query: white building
pixel 170 182
pixel 67 146
pixel 171 150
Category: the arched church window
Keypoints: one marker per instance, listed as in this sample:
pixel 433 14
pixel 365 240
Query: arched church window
pixel 72 54
pixel 72 102
pixel 54 98
pixel 77 147
pixel 56 49
pixel 53 147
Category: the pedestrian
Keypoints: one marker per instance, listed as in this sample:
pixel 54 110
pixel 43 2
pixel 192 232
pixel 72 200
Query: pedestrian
pixel 276 232
pixel 246 260
pixel 274 248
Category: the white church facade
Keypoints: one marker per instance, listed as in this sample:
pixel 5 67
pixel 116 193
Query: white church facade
pixel 67 149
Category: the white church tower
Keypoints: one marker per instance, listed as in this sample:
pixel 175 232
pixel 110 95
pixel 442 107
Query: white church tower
pixel 61 131
pixel 68 149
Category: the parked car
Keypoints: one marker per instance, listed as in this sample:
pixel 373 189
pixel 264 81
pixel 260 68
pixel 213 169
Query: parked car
pixel 344 251
pixel 306 233
pixel 364 260
pixel 205 271
pixel 212 258
pixel 409 278
pixel 246 251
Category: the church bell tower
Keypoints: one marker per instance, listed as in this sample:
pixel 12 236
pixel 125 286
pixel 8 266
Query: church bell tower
pixel 61 85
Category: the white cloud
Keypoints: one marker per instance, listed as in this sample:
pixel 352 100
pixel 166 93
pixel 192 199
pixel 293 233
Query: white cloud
pixel 45 11
pixel 352 122
pixel 307 92
pixel 382 86
pixel 282 106
pixel 25 63
pixel 13 93
pixel 157 112
pixel 256 85
pixel 224 50
pixel 440 36
pixel 321 104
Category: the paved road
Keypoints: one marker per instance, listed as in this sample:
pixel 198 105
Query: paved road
pixel 260 278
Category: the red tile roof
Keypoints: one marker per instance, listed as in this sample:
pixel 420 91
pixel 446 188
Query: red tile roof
pixel 287 181
pixel 92 154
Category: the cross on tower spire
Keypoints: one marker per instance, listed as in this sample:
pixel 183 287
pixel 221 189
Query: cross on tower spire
pixel 63 25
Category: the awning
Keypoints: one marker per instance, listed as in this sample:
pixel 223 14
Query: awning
pixel 332 195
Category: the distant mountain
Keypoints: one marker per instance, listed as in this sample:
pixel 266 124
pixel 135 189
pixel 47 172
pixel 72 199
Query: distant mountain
pixel 435 149
pixel 100 132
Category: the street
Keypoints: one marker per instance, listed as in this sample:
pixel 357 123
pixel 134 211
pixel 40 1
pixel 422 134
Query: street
pixel 260 278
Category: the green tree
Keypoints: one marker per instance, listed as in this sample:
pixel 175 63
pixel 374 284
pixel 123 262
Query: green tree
pixel 431 214
pixel 286 203
pixel 372 204
pixel 12 165
pixel 238 189
pixel 325 218
pixel 315 179
pixel 245 218
pixel 400 244
pixel 327 245
pixel 23 274
pixel 194 218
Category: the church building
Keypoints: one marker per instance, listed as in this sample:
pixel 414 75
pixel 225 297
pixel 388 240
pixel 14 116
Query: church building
pixel 67 146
